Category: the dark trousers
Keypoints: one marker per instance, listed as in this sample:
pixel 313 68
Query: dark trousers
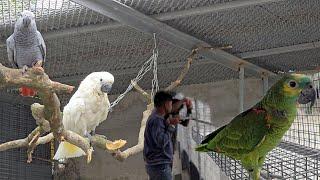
pixel 160 172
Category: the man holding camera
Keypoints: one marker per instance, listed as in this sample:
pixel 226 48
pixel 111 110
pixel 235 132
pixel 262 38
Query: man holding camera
pixel 158 144
pixel 178 103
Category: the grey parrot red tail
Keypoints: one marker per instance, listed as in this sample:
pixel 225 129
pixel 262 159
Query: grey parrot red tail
pixel 27 92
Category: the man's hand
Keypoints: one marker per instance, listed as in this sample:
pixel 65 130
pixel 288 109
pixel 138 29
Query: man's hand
pixel 188 103
pixel 174 120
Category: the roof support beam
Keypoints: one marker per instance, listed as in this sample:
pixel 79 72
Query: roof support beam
pixel 126 15
pixel 280 50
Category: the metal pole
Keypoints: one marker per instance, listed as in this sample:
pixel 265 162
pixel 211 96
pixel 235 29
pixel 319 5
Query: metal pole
pixel 241 88
pixel 198 134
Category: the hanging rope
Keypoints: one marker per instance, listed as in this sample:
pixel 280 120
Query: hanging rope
pixel 147 66
pixel 155 85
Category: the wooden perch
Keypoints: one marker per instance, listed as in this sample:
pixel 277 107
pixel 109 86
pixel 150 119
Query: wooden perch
pixel 123 155
pixel 186 68
pixel 34 78
pixel 183 72
pixel 48 116
pixel 143 92
pixel 24 142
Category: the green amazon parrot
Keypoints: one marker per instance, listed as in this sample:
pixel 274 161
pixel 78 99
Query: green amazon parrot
pixel 252 134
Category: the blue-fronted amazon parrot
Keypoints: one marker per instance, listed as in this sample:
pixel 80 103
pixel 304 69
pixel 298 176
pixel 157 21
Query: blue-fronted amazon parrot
pixel 252 134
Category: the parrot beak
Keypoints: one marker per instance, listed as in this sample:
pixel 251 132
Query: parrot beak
pixel 26 21
pixel 106 87
pixel 308 94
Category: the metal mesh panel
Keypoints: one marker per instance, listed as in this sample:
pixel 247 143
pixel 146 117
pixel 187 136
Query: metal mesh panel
pixel 289 161
pixel 17 122
pixel 251 28
pixel 296 157
pixel 296 61
pixel 50 15
pixel 162 6
pixel 213 72
pixel 119 49
pixel 122 51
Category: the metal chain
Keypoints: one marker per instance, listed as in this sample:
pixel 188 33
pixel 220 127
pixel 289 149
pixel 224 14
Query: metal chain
pixel 152 61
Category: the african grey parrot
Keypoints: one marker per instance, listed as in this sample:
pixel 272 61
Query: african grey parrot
pixel 26 47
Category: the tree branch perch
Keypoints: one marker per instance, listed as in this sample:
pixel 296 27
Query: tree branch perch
pixel 48 116
pixel 123 155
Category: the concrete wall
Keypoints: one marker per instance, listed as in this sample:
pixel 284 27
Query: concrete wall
pixel 223 97
pixel 124 122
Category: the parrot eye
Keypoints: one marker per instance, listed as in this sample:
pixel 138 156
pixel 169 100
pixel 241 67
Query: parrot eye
pixel 101 80
pixel 292 84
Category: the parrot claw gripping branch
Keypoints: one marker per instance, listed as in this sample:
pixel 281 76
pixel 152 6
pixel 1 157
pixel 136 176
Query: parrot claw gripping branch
pixel 48 116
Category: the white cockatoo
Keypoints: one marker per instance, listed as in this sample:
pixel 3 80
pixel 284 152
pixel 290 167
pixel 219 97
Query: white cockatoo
pixel 87 108
pixel 26 47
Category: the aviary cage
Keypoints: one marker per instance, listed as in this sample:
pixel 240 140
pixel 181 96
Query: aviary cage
pixel 296 157
pixel 275 36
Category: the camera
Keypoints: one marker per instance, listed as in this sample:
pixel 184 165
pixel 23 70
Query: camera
pixel 185 115
pixel 180 108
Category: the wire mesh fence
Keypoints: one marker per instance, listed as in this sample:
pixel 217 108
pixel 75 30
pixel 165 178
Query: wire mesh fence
pixel 50 14
pixel 16 122
pixel 288 161
pixel 163 6
pixel 296 157
pixel 305 130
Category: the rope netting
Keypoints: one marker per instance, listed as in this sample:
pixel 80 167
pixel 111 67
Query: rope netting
pixel 151 63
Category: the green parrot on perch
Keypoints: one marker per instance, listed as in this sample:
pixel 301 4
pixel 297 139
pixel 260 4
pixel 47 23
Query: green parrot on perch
pixel 252 134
